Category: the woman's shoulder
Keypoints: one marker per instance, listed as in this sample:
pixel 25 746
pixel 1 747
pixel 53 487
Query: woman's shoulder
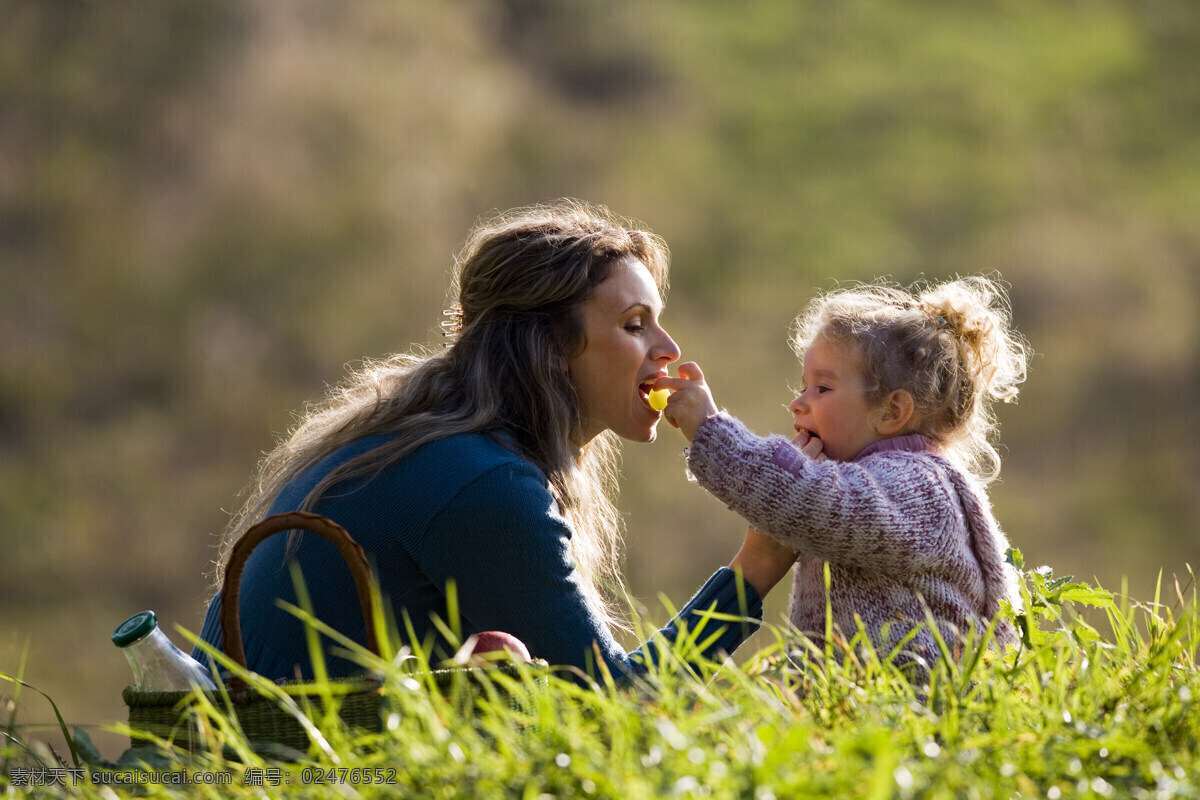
pixel 430 474
pixel 473 452
pixel 445 466
pixel 463 469
pixel 461 451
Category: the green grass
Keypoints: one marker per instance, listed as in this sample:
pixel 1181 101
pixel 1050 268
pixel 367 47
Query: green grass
pixel 1073 712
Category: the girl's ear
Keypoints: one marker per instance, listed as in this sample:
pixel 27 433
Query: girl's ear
pixel 898 411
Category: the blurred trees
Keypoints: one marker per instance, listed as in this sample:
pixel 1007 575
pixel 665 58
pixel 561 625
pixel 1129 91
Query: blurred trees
pixel 207 208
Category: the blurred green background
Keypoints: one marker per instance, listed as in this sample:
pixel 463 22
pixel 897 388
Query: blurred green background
pixel 209 207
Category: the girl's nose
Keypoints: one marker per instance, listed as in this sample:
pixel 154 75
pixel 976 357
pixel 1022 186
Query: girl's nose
pixel 797 405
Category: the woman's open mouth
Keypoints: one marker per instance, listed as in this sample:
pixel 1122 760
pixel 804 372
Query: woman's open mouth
pixel 644 390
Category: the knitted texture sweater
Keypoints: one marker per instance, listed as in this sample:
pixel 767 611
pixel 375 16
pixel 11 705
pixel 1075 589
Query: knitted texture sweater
pixel 466 510
pixel 901 528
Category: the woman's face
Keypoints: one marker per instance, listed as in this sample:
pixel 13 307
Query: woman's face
pixel 625 350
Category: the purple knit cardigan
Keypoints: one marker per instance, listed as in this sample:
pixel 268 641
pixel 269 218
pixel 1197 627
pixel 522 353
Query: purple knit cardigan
pixel 902 529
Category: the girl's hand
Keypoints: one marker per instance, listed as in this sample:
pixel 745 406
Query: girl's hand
pixel 690 402
pixel 810 445
pixel 763 560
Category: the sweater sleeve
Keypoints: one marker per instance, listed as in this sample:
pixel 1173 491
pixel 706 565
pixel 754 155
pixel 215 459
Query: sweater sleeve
pixel 890 513
pixel 507 548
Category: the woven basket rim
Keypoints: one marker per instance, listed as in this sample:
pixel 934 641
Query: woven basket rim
pixel 342 687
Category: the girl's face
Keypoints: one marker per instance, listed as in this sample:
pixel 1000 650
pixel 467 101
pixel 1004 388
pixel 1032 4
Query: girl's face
pixel 625 349
pixel 834 405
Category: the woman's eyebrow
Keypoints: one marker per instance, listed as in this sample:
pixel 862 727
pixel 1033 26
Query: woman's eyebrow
pixel 643 306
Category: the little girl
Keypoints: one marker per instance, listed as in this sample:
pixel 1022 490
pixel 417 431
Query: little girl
pixel 885 477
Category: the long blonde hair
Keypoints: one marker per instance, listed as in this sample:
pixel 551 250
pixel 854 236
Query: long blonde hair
pixel 950 346
pixel 513 321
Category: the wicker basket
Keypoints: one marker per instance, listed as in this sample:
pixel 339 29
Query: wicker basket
pixel 270 722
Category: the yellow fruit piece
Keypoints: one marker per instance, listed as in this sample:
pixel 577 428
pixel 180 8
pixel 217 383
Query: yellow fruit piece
pixel 658 399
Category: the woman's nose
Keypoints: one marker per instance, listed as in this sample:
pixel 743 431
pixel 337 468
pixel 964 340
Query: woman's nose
pixel 666 350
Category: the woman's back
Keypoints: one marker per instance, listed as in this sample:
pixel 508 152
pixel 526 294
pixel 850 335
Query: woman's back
pixel 462 508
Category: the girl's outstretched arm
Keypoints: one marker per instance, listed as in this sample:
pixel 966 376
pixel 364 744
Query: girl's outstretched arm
pixel 895 512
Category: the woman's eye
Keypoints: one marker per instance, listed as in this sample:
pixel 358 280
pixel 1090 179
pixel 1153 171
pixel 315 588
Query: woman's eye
pixel 634 327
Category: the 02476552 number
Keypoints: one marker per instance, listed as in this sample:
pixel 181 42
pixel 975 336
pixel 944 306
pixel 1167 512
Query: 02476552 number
pixel 344 775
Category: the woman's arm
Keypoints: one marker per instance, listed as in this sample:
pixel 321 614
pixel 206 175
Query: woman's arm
pixel 507 549
pixel 763 561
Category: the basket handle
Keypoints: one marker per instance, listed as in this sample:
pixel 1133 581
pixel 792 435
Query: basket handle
pixel 352 552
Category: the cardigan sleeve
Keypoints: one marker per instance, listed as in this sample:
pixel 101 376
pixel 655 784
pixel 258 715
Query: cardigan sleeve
pixel 506 547
pixel 890 512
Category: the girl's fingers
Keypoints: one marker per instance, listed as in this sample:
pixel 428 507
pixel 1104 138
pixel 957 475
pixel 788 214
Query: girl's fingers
pixel 672 384
pixel 690 371
pixel 812 448
pixel 689 375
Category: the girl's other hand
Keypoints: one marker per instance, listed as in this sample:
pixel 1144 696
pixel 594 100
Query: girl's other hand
pixel 810 445
pixel 690 402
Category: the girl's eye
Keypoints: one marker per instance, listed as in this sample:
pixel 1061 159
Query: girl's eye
pixel 823 389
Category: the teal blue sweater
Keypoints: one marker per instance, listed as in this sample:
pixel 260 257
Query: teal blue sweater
pixel 462 509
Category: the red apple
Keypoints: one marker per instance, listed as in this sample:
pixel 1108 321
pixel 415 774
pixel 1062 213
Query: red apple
pixel 486 647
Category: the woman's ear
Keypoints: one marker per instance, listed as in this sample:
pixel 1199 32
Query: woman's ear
pixel 898 412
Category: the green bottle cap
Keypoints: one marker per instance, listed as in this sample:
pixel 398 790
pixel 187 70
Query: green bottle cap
pixel 134 628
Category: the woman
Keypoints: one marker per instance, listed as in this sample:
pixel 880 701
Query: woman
pixel 490 464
